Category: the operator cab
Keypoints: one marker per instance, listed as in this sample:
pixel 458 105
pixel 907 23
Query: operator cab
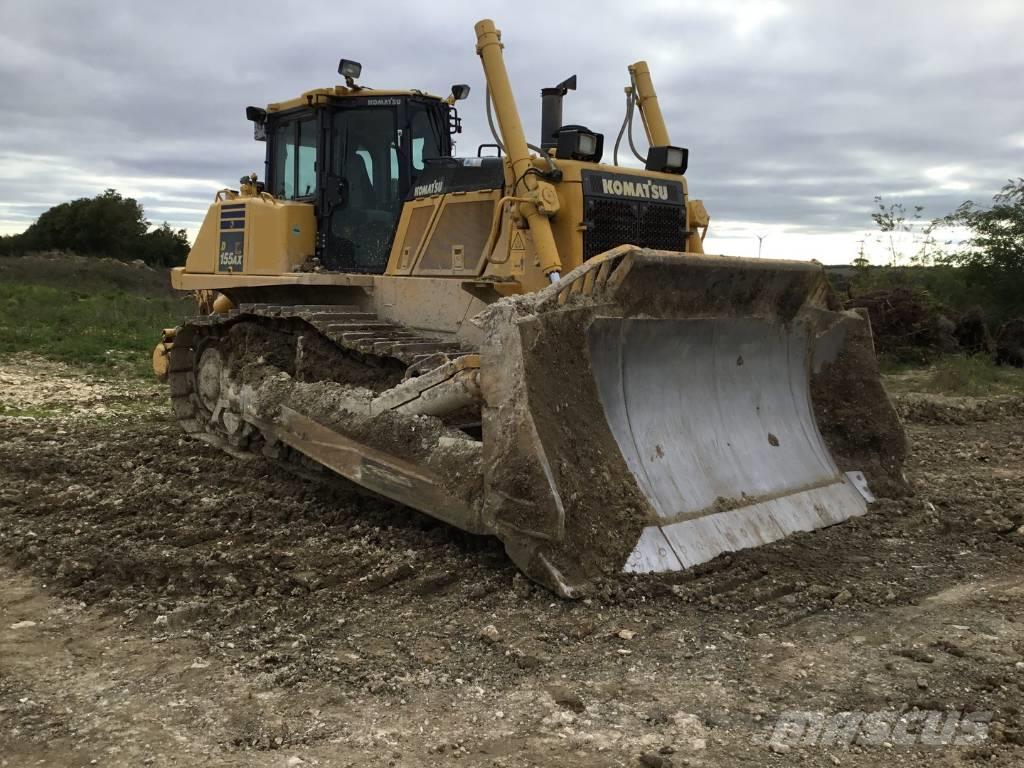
pixel 354 153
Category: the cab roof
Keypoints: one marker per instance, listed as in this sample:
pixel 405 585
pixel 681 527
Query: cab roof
pixel 319 96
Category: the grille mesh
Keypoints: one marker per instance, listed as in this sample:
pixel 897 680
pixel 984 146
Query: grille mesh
pixel 617 222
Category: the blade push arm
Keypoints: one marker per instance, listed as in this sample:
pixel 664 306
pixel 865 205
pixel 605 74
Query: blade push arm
pixel 541 200
pixel 647 100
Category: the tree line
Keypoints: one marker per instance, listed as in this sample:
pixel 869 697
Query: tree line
pixel 106 225
pixel 970 258
pixel 984 267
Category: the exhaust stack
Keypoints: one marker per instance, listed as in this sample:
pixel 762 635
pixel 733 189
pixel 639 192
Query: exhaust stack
pixel 551 112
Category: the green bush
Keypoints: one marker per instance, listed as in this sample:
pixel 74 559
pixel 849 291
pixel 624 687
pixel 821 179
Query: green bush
pixel 105 225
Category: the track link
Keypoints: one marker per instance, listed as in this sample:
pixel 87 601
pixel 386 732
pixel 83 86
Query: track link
pixel 356 335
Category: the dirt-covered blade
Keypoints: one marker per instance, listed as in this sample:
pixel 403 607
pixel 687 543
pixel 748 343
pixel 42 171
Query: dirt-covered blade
pixel 715 423
pixel 654 410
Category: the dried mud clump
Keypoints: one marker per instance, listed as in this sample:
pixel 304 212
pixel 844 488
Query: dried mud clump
pixel 605 510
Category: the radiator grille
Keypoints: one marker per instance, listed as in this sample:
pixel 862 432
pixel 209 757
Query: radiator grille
pixel 617 222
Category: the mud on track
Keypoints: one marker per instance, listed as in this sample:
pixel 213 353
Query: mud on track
pixel 164 604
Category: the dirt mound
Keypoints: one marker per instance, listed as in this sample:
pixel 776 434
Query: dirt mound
pixel 938 409
pixel 906 323
pixel 972 333
pixel 1010 344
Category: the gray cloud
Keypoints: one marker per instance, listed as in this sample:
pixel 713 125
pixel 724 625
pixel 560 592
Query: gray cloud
pixel 796 114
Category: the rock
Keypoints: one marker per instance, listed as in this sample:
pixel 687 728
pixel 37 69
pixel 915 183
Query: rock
pixel 435 583
pixel 22 624
pixel 821 590
pixel 311 580
pixel 161 620
pixel 656 716
pixel 295 761
pixel 779 748
pixel 654 760
pixel 527 662
pixel 922 683
pixel 490 633
pixel 626 634
pixel 567 698
pixel 398 573
pixel 477 591
pixel 916 654
pixel 689 729
pixel 843 597
pixel 521 586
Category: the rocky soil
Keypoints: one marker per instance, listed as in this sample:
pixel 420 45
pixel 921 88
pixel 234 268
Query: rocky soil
pixel 164 604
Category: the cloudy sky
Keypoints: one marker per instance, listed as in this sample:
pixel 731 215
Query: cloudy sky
pixel 796 113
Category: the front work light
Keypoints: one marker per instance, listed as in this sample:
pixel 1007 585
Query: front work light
pixel 578 143
pixel 667 159
pixel 258 116
pixel 349 69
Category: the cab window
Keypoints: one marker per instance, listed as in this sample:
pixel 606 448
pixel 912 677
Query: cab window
pixel 364 155
pixel 295 159
pixel 424 139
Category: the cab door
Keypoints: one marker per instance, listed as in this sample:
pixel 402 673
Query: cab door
pixel 363 188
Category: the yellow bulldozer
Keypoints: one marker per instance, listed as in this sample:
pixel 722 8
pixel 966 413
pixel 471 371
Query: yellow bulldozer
pixel 528 343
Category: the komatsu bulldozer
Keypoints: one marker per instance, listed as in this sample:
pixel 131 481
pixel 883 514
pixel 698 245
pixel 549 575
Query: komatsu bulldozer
pixel 530 344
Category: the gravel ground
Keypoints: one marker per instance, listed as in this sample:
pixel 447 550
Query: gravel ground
pixel 164 604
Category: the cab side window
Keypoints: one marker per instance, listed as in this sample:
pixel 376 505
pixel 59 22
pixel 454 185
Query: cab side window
pixel 424 140
pixel 284 160
pixel 295 159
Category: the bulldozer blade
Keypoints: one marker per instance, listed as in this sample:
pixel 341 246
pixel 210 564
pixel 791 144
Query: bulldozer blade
pixel 652 411
pixel 714 421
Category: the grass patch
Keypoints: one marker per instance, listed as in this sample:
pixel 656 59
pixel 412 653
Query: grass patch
pixel 35 412
pixel 106 319
pixel 889 365
pixel 974 376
